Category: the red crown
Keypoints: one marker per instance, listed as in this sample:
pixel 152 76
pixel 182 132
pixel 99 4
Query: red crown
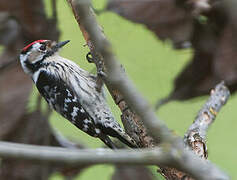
pixel 25 48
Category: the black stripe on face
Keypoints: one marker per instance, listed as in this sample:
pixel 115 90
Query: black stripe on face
pixel 33 67
pixel 29 66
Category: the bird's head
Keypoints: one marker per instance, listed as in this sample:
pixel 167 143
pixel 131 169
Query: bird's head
pixel 34 53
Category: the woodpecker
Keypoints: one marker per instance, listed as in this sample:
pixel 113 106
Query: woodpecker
pixel 71 91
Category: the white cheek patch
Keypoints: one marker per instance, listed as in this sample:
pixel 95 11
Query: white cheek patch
pixel 23 58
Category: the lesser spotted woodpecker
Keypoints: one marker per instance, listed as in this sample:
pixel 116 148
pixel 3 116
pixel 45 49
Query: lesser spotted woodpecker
pixel 71 91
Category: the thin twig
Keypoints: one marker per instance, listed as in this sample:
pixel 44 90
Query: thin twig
pixel 196 134
pixel 85 156
pixel 195 138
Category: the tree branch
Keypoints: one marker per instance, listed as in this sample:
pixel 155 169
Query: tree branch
pixel 85 156
pixel 196 134
pixel 195 138
pixel 164 156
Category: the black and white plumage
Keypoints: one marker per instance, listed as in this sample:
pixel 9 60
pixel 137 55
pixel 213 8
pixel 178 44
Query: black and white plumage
pixel 71 91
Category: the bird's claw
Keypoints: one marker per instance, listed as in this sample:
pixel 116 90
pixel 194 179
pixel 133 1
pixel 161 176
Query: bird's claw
pixel 89 57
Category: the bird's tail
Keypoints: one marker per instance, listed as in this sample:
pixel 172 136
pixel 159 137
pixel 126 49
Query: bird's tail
pixel 126 139
pixel 107 141
pixel 123 137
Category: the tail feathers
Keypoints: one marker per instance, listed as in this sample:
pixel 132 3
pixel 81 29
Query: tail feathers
pixel 122 136
pixel 108 141
pixel 126 139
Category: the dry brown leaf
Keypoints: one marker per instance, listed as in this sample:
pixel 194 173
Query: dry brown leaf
pixel 164 17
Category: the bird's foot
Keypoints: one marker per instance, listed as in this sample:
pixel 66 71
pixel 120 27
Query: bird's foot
pixel 89 57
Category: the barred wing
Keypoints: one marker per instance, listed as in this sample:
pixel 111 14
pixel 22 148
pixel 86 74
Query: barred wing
pixel 62 98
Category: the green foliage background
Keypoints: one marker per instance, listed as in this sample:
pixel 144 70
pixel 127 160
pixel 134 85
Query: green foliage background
pixel 152 65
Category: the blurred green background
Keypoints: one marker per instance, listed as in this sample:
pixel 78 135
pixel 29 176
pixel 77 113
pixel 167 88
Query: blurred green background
pixel 152 65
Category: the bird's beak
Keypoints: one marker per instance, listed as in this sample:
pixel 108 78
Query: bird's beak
pixel 60 45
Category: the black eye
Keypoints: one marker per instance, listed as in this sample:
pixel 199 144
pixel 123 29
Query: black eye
pixel 43 47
